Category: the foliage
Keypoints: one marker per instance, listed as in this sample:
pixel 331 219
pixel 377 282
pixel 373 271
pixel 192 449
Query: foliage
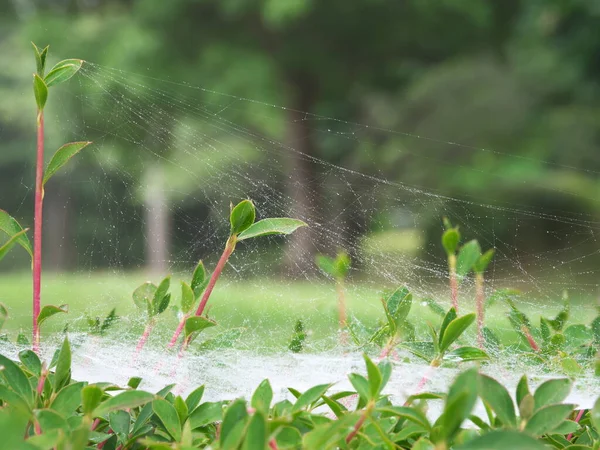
pixel 44 409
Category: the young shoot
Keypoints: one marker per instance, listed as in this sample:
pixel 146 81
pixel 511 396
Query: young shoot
pixel 450 241
pixel 152 301
pixel 438 349
pixel 479 268
pixel 338 270
pixel 298 337
pixel 42 82
pixel 243 226
pixel 190 293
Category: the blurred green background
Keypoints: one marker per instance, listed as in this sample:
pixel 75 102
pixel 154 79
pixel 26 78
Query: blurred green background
pixel 369 119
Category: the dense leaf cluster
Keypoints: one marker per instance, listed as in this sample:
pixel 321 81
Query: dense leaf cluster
pixel 45 409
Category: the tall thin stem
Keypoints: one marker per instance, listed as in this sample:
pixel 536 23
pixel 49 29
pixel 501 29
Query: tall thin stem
pixel 341 292
pixel 229 248
pixel 145 336
pixel 480 305
pixel 37 234
pixel 453 281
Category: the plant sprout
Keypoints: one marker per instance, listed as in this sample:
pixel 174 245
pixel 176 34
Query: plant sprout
pixel 151 300
pixel 243 226
pixel 338 270
pixel 298 337
pixel 189 294
pixel 479 268
pixel 42 82
pixel 438 349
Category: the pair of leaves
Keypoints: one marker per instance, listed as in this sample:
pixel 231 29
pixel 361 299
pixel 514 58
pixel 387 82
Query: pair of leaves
pixel 337 267
pixel 397 306
pixel 151 298
pixel 60 73
pixel 470 258
pixel 243 225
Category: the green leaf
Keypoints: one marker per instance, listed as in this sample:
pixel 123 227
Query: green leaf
pixel 62 156
pixel 526 406
pixel 124 400
pixel 169 417
pixel 399 303
pixel 374 377
pixel 62 373
pixel 187 298
pixel 199 279
pixel 483 261
pixel 455 329
pixel 40 58
pixel 161 298
pixel 460 401
pixel 91 396
pixel 421 349
pixel 119 422
pixel 412 414
pixel 327 265
pixel 450 240
pixel 68 399
pixel 449 317
pixel 342 264
pixel 206 413
pixel 385 367
pixel 548 418
pixel 51 420
pixel 10 243
pixel 463 354
pixel 467 258
pixel 234 415
pixel 194 398
pixel 16 379
pixel 134 382
pixel 262 397
pixel 595 414
pixel 181 408
pixel 498 399
pixel 196 324
pixel 503 440
pixel 361 384
pixel 40 90
pixel 522 389
pixel 552 391
pixel 143 295
pixel 271 226
pixel 256 434
pixel 3 314
pixel 63 71
pixel 50 310
pixel 11 227
pixel 310 396
pixel 242 217
pixel 31 361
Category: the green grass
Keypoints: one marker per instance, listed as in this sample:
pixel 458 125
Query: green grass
pixel 266 309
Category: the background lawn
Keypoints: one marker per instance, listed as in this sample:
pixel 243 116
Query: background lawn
pixel 266 309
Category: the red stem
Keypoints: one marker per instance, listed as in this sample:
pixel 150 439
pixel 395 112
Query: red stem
pixel 37 233
pixel 144 337
pixel 273 444
pixel 173 340
pixel 211 284
pixel 530 339
pixel 342 312
pixel 41 382
pixel 357 426
pixel 453 281
pixel 480 302
pixel 577 419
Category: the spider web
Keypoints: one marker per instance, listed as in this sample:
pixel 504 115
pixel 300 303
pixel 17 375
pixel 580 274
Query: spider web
pixel 197 150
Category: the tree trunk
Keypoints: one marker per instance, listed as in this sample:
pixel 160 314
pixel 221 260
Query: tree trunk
pixel 301 188
pixel 157 220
